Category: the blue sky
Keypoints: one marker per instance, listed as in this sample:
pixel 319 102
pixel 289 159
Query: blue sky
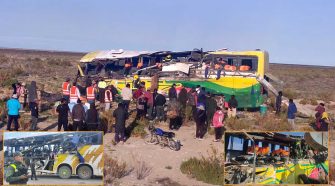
pixel 298 32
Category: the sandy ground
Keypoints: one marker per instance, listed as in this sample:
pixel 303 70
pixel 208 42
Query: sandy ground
pixel 159 158
pixel 52 180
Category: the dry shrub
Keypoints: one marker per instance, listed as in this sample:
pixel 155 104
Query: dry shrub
pixel 114 170
pixel 209 170
pixel 314 101
pixel 240 124
pixel 142 170
pixel 304 101
pixel 290 93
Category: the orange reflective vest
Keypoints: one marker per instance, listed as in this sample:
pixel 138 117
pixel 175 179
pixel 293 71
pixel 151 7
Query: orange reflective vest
pixel 108 92
pixel 66 88
pixel 90 93
pixel 73 93
pixel 127 65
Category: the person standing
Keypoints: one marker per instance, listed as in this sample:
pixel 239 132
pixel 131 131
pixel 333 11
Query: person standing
pixel 150 103
pixel 278 102
pixel 159 104
pixel 63 111
pixel 173 93
pixel 74 93
pixel 200 120
pixel 121 116
pixel 66 89
pixel 102 86
pixel 92 118
pixel 108 98
pixel 320 109
pixel 232 104
pixel 22 94
pixel 17 173
pixel 13 107
pixel 33 106
pixel 202 96
pixel 182 99
pixel 78 116
pixel 127 95
pixel 90 94
pixel 210 108
pixel 191 104
pixel 33 170
pixel 218 124
pixel 291 112
pixel 141 107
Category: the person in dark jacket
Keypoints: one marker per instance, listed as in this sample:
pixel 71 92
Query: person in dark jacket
pixel 210 108
pixel 182 99
pixel 278 102
pixel 78 116
pixel 291 112
pixel 233 104
pixel 32 92
pixel 63 111
pixel 121 116
pixel 160 102
pixel 191 104
pixel 114 92
pixel 173 93
pixel 200 120
pixel 33 106
pixel 92 118
pixel 141 107
pixel 202 96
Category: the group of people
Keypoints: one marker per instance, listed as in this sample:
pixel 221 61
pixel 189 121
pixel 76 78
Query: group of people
pixel 321 116
pixel 22 98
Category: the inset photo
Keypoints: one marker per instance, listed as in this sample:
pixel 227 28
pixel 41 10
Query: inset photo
pixel 53 158
pixel 276 158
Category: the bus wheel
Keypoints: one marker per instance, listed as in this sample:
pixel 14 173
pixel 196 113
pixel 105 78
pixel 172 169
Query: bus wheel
pixel 84 172
pixel 64 172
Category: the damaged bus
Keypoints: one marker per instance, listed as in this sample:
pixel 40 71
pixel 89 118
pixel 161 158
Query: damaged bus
pixel 276 158
pixel 240 73
pixel 64 154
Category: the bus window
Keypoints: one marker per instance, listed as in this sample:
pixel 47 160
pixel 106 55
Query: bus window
pixel 248 64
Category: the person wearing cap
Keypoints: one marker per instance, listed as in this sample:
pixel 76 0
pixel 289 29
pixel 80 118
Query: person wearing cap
pixel 17 172
pixel 66 89
pixel 200 120
pixel 13 107
pixel 173 93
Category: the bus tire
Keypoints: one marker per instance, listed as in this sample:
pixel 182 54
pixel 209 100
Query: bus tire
pixel 85 172
pixel 64 172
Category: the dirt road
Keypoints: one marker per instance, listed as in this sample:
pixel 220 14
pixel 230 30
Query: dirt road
pixel 165 163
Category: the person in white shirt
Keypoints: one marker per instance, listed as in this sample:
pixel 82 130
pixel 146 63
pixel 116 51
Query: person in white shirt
pixel 127 95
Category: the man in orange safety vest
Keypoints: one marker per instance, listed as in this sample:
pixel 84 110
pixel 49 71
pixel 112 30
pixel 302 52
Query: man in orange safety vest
pixel 66 89
pixel 74 93
pixel 90 94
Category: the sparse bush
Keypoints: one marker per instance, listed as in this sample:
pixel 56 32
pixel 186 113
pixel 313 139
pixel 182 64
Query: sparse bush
pixel 139 131
pixel 314 102
pixel 240 124
pixel 113 170
pixel 304 101
pixel 142 170
pixel 290 93
pixel 209 170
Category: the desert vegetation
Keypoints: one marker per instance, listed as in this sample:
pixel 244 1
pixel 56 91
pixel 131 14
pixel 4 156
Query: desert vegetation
pixel 207 169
